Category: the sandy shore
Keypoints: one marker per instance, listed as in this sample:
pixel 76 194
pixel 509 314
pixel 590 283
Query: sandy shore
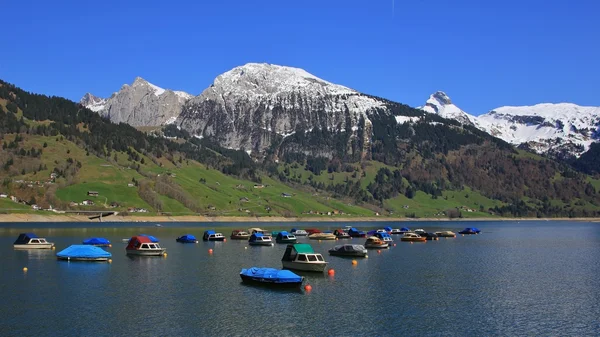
pixel 191 218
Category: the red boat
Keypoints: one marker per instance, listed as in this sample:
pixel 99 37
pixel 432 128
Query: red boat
pixel 313 231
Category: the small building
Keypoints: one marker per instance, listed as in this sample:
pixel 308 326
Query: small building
pixel 73 204
pixel 92 193
pixel 53 175
pixel 3 195
pixel 87 202
pixel 244 199
pixel 35 207
pixel 286 195
pixel 131 185
pixel 259 186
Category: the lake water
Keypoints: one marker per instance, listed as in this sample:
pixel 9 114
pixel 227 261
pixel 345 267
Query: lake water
pixel 529 278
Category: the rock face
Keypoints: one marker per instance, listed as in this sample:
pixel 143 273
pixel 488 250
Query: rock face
pixel 139 104
pixel 251 107
pixel 561 130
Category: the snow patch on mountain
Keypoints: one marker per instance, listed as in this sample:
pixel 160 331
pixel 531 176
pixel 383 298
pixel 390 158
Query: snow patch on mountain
pixel 439 103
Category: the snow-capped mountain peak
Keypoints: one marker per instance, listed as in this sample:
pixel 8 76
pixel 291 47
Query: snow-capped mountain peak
pixel 92 102
pixel 142 82
pixel 439 103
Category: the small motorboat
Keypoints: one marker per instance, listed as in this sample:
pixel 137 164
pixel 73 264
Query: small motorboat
pixel 211 235
pixel 430 236
pixel 470 230
pixel 299 232
pixel 301 256
pixel 385 237
pixel 420 231
pixel 340 234
pixel 446 234
pixel 83 253
pixel 31 241
pixel 98 242
pixel 187 238
pixel 322 236
pixel 258 239
pixel 396 231
pixel 349 250
pixel 412 237
pixel 285 237
pixel 271 277
pixel 239 234
pixel 311 231
pixel 143 246
pixel 404 230
pixel 355 233
pixel 388 229
pixel 375 242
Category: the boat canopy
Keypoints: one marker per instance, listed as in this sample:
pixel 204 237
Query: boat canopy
pixel 83 251
pixel 152 238
pixel 257 235
pixel 281 234
pixel 298 248
pixel 187 237
pixel 137 241
pixel 405 229
pixel 96 241
pixel 388 228
pixel 283 276
pixel 294 229
pixel 24 238
pixel 383 235
pixel 209 232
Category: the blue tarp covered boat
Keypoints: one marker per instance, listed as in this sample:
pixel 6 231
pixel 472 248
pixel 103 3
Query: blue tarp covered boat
pixel 470 230
pixel 405 229
pixel 271 277
pixel 188 238
pixel 152 238
pixel 355 233
pixel 83 253
pixel 97 242
pixel 388 228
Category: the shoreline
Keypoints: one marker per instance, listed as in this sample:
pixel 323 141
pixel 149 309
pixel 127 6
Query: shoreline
pixel 18 217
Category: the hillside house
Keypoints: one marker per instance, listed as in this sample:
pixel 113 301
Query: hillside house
pixel 87 202
pixel 92 193
pixel 3 195
pixel 286 195
pixel 244 199
pixel 259 186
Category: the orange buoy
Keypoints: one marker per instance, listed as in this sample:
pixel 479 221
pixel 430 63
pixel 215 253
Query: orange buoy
pixel 394 245
pixel 224 240
pixel 354 262
pixel 210 251
pixel 308 287
pixel 25 269
pixel 331 272
pixel 110 246
pixel 378 251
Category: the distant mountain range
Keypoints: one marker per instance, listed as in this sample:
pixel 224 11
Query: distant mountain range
pixel 555 129
pixel 255 106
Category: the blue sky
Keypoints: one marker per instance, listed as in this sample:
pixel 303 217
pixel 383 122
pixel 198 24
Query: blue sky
pixel 483 54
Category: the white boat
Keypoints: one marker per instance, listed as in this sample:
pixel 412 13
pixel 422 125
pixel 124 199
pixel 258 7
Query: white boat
pixel 301 256
pixel 375 242
pixel 143 246
pixel 300 232
pixel 258 239
pixel 31 241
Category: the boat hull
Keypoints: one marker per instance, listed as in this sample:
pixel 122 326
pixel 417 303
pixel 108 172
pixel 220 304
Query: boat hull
pixel 214 239
pixel 34 246
pixel 186 241
pixel 152 252
pixel 259 281
pixel 413 239
pixel 286 241
pixel 377 246
pixel 87 259
pixel 239 237
pixel 260 243
pixel 348 254
pixel 315 267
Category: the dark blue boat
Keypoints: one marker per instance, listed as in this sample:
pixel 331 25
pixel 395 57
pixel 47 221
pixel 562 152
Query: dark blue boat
pixel 355 233
pixel 100 242
pixel 83 253
pixel 188 238
pixel 271 277
pixel 470 230
pixel 152 238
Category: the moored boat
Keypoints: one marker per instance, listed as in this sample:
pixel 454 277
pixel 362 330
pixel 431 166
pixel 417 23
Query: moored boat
pixel 375 242
pixel 299 232
pixel 239 234
pixel 258 239
pixel 469 230
pixel 98 242
pixel 83 253
pixel 258 230
pixel 311 231
pixel 420 231
pixel 285 237
pixel 396 231
pixel 143 246
pixel 355 233
pixel 31 241
pixel 271 277
pixel 152 238
pixel 349 250
pixel 301 256
pixel 412 237
pixel 341 234
pixel 430 236
pixel 385 237
pixel 211 235
pixel 322 236
pixel 446 234
pixel 187 238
